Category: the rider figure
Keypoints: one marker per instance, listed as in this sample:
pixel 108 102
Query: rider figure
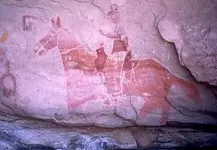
pixel 120 43
pixel 119 35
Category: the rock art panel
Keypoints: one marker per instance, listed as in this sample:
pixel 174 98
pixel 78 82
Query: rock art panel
pixel 97 63
pixel 85 73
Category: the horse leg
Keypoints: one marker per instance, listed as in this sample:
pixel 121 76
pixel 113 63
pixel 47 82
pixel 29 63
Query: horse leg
pixel 165 115
pixel 190 89
pixel 152 103
pixel 147 107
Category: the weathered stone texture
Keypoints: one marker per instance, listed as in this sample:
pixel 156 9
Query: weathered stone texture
pixel 108 63
pixel 191 26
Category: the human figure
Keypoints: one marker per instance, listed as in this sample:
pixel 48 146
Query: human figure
pixel 118 34
pixel 8 81
pixel 100 61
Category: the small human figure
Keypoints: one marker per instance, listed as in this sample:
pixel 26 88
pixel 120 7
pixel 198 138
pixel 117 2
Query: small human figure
pixel 100 61
pixel 128 68
pixel 27 23
pixel 119 35
pixel 129 64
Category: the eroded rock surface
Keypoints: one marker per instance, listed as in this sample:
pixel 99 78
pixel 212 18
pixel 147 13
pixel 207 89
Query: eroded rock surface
pixel 102 63
pixel 192 26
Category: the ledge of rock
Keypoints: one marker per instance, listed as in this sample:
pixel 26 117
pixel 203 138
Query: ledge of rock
pixel 26 134
pixel 110 64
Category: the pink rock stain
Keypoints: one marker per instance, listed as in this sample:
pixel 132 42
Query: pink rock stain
pixel 142 76
pixel 4 36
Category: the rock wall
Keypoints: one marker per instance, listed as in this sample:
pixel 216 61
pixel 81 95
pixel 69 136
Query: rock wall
pixel 191 26
pixel 108 63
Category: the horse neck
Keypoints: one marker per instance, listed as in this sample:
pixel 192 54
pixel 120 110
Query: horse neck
pixel 73 53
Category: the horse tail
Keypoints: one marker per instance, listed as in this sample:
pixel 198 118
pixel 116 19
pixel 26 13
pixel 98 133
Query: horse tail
pixel 191 90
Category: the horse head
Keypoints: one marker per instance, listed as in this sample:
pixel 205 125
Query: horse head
pixel 50 40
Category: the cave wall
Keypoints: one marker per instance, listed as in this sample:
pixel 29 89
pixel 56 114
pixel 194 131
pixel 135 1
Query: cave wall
pixel 109 63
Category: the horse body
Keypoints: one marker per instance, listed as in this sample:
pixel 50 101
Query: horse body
pixel 145 78
pixel 156 80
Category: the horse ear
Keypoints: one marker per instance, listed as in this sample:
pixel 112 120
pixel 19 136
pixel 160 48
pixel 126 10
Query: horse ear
pixel 55 24
pixel 52 21
pixel 58 21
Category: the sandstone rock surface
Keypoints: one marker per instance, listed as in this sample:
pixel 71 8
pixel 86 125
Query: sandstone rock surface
pixel 105 63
